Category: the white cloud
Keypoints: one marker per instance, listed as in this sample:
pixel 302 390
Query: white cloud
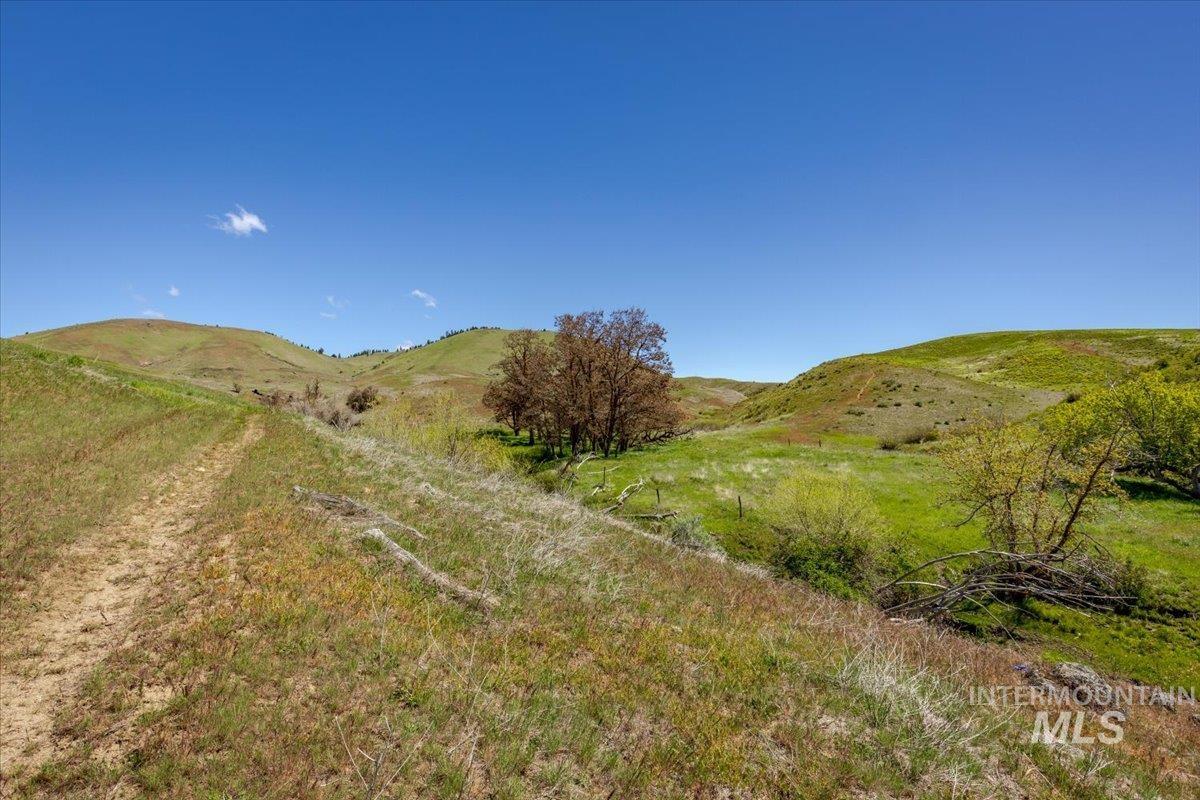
pixel 328 315
pixel 425 297
pixel 173 291
pixel 243 223
pixel 153 313
pixel 407 344
pixel 335 302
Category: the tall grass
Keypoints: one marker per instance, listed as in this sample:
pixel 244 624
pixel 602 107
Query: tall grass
pixel 440 426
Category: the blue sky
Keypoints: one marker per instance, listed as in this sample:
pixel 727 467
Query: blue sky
pixel 777 184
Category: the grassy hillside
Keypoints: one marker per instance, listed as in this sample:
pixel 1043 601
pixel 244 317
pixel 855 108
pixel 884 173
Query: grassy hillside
pixel 705 475
pixel 938 384
pixel 205 354
pixel 218 358
pixel 279 657
pixel 1057 360
pixel 699 395
pixel 461 363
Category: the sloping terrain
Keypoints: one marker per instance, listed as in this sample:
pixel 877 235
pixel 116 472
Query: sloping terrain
pixel 282 658
pixel 461 363
pixel 1057 360
pixel 698 395
pixel 218 358
pixel 205 354
pixel 935 385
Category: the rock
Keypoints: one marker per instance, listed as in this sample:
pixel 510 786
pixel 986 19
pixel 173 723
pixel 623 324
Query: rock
pixel 1086 685
pixel 1034 677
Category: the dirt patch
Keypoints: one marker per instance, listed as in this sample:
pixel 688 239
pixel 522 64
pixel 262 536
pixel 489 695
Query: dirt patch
pixel 87 602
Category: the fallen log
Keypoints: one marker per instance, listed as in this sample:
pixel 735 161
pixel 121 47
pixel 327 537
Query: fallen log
pixel 480 600
pixel 346 507
pixel 626 493
pixel 660 515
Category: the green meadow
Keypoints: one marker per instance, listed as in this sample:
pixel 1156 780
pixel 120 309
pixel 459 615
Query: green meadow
pixel 704 476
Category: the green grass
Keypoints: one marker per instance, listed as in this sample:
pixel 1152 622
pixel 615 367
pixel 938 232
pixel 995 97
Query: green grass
pixel 704 476
pixel 81 439
pixel 942 383
pixel 1059 360
pixel 615 666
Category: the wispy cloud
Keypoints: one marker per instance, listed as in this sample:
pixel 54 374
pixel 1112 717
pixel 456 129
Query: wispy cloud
pixel 328 315
pixel 425 297
pixel 173 291
pixel 336 302
pixel 241 223
pixel 153 313
pixel 407 344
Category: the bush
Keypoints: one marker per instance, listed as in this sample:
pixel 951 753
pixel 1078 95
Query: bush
pixel 827 532
pixel 363 398
pixel 689 533
pixel 914 436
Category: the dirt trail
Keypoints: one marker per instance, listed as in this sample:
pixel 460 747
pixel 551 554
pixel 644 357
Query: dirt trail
pixel 91 597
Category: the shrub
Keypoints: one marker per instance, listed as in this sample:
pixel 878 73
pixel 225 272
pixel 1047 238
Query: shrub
pixel 362 399
pixel 914 436
pixel 827 531
pixel 689 533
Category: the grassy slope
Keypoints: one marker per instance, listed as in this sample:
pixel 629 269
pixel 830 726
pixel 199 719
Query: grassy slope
pixel 615 666
pixel 218 357
pixel 942 383
pixel 80 441
pixel 704 475
pixel 1057 360
pixel 206 354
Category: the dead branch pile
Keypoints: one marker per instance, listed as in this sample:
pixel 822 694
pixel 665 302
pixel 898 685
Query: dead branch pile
pixel 1072 578
pixel 350 509
pixel 480 600
pixel 346 507
pixel 626 493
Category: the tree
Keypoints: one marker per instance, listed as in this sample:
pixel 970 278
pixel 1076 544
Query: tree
pixel 1033 493
pixel 1159 422
pixel 605 384
pixel 524 373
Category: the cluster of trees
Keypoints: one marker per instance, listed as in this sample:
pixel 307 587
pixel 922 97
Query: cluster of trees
pixel 603 384
pixel 1156 420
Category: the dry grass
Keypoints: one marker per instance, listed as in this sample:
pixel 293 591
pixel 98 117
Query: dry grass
pixel 299 664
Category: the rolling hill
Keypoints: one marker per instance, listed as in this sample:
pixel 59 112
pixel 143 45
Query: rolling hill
pixel 209 355
pixel 177 624
pixel 218 357
pixel 938 384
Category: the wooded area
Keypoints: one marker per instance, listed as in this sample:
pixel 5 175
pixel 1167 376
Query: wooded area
pixel 604 384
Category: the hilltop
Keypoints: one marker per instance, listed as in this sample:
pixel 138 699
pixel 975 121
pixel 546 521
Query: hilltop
pixel 938 384
pixel 219 357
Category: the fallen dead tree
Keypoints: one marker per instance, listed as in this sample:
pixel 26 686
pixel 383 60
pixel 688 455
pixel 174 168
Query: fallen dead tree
pixel 1032 490
pixel 656 516
pixel 443 583
pixel 352 509
pixel 977 578
pixel 626 493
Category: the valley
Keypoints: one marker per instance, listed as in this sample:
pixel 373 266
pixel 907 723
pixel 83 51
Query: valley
pixel 618 660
